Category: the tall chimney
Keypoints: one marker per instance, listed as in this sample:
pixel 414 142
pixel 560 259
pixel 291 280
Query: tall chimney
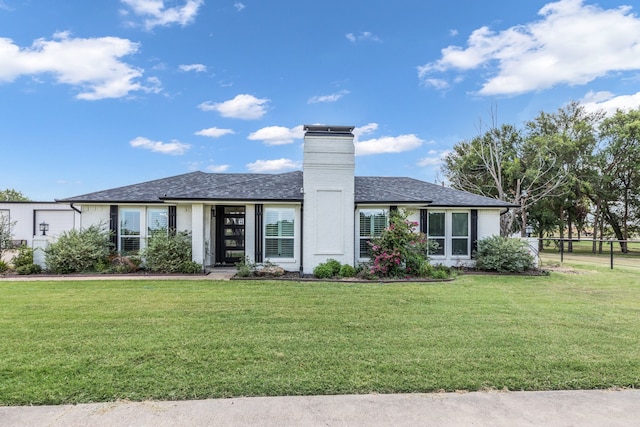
pixel 329 195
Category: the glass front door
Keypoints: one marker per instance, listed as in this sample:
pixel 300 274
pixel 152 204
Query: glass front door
pixel 230 236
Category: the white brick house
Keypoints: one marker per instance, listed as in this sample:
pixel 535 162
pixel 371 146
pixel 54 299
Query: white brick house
pixel 296 219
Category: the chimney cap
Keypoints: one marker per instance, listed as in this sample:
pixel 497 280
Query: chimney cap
pixel 328 130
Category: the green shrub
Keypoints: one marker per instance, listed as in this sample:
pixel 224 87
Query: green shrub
pixel 245 268
pixel 27 269
pixel 3 266
pixel 191 267
pixel 78 251
pixel 168 253
pixel 323 271
pixel 440 272
pixel 23 257
pixel 503 254
pixel 347 270
pixel 334 265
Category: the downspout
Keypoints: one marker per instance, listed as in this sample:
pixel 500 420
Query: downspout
pixel 75 209
pixel 301 238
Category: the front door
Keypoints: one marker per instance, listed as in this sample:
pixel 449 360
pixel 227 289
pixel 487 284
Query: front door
pixel 230 234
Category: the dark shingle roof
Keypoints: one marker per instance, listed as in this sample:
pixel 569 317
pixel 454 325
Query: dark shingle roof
pixel 371 189
pixel 282 187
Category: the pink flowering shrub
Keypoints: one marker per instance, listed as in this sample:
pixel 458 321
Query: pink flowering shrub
pixel 400 250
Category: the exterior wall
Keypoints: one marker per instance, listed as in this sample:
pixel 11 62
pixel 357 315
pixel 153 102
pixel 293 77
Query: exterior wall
pixel 249 231
pixel 28 215
pixel 488 223
pixel 94 215
pixel 329 189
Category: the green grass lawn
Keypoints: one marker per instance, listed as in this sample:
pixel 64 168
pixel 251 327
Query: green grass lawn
pixel 88 341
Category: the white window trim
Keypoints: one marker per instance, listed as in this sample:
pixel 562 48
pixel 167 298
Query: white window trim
pixel 294 238
pixel 357 233
pixel 448 237
pixel 143 211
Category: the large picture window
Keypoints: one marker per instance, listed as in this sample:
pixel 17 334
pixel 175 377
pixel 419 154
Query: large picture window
pixel 372 222
pixel 279 232
pixel 129 230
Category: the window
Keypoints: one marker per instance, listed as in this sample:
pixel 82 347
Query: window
pixel 436 231
pixel 129 230
pixel 459 233
pixel 279 232
pixel 372 222
pixel 157 219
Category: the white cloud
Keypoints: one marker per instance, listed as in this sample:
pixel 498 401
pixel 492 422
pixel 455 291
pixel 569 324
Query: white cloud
pixel 174 148
pixel 277 135
pixel 364 130
pixel 571 43
pixel 610 103
pixel 388 144
pixel 279 165
pixel 363 36
pixel 328 98
pixel 93 65
pixel 243 106
pixel 435 158
pixel 214 132
pixel 3 6
pixel 239 6
pixel 198 68
pixel 217 168
pixel 154 12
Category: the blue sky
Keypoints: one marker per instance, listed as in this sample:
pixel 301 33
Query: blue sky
pixel 104 93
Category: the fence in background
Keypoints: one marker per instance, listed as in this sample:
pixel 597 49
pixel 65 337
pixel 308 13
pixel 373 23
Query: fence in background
pixel 606 252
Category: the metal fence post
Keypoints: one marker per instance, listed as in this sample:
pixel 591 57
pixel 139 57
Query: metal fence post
pixel 611 253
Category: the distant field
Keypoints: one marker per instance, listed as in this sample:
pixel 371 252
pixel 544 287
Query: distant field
pixel 71 342
pixel 582 251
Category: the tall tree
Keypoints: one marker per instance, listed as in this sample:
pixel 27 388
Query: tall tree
pixel 501 163
pixel 619 163
pixel 570 133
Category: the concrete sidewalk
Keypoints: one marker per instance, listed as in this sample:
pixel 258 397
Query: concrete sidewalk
pixel 544 408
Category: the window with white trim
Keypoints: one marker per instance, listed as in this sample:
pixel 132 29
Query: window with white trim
pixel 279 232
pixel 129 230
pixel 372 222
pixel 460 233
pixel 436 232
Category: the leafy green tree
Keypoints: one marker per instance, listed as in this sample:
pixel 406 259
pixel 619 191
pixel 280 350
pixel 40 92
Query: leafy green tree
pixel 11 195
pixel 619 164
pixel 504 164
pixel 571 134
